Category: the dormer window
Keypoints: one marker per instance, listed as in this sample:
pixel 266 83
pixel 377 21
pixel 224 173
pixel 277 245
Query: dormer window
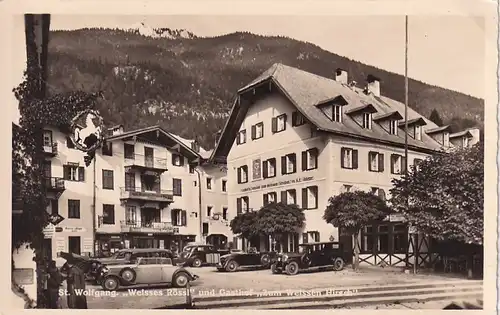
pixel 393 127
pixel 465 142
pixel 418 132
pixel 337 113
pixel 332 108
pixel 440 135
pixel 414 127
pixel 367 120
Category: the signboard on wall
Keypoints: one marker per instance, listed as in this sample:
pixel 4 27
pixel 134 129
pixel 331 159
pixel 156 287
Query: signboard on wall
pixel 256 169
pixel 278 184
pixel 49 231
pixel 74 229
pixel 23 276
pixel 88 245
pixel 61 244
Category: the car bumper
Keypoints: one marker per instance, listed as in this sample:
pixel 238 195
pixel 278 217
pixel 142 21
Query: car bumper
pixel 279 265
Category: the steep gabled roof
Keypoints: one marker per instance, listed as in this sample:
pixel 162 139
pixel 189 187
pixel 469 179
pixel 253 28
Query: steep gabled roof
pixel 305 90
pixel 466 133
pixel 438 129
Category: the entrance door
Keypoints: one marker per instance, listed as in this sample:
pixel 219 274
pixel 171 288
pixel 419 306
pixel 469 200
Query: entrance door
pixel 149 157
pixel 74 245
pixel 345 239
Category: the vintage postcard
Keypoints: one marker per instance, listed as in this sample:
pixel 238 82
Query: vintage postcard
pixel 199 156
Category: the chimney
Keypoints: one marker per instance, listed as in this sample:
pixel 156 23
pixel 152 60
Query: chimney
pixel 341 76
pixel 373 85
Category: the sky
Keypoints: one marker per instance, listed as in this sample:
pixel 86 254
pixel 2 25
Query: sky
pixel 446 51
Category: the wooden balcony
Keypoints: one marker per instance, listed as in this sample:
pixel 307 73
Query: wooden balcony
pixel 50 149
pixel 143 163
pixel 148 227
pixel 55 185
pixel 138 194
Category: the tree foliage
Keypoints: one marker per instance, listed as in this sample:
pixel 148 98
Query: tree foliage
pixel 435 117
pixel 245 224
pixel 445 195
pixel 277 219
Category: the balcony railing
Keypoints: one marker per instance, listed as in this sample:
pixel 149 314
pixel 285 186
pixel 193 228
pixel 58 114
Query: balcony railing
pixel 50 148
pixel 145 162
pixel 54 183
pixel 136 193
pixel 130 226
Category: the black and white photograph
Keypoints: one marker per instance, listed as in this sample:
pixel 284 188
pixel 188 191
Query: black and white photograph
pixel 253 162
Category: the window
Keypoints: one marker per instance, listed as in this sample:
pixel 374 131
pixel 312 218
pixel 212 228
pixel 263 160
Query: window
pixel 130 215
pixel 151 182
pixel 74 245
pixel 465 142
pixel 397 164
pixel 310 159
pixel 269 168
pixel 347 188
pixel 446 139
pixel 242 174
pixel 69 143
pixel 375 162
pixel 367 238
pixel 242 205
pixel 416 163
pixel 349 158
pixel 209 211
pixel 337 113
pixel 224 213
pixel 179 217
pixel 418 132
pixel 367 120
pixel 383 239
pixel 310 197
pixel 224 185
pixel 74 173
pixel 108 214
pixel 191 169
pixel 73 209
pixel 129 181
pixel 400 238
pixel 310 236
pixel 47 138
pixel 288 164
pixel 258 131
pixel 298 119
pixel 128 151
pixel 177 160
pixel 241 137
pixel 204 231
pixel 107 148
pixel 107 179
pixel 393 127
pixel 209 183
pixel 177 186
pixel 54 206
pixel 289 197
pixel 269 198
pixel 279 123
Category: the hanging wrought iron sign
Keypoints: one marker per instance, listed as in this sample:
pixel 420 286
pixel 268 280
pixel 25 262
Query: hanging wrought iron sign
pixel 87 131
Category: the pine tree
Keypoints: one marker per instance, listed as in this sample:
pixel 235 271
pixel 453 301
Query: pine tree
pixel 435 118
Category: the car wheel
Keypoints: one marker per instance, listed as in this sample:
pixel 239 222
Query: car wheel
pixel 232 266
pixel 110 284
pixel 292 268
pixel 274 270
pixel 265 260
pixel 196 262
pixel 338 264
pixel 181 280
pixel 128 275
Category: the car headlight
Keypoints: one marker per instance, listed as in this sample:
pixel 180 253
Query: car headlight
pixel 104 270
pixel 285 257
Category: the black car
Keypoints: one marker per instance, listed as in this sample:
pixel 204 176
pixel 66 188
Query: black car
pixel 314 256
pixel 92 268
pixel 199 255
pixel 252 259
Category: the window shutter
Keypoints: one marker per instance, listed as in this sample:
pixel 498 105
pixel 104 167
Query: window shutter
pixel 238 206
pixel 294 119
pixel 304 160
pixel 238 138
pixel 181 158
pixel 284 197
pixel 342 157
pixel 392 163
pixel 293 158
pixel 285 117
pixel 69 143
pixel 315 153
pixel 238 170
pixel 66 172
pixel 183 217
pixel 254 132
pixel 304 198
pixel 265 165
pixel 304 238
pixel 274 125
pixel 81 173
pixel 381 162
pixel 314 190
pixel 354 159
pixel 172 217
pixel 370 154
pixel 110 148
pixel 403 165
pixel 265 199
pixel 283 165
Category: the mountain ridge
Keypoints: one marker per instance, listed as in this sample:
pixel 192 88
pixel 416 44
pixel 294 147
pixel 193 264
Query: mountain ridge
pixel 187 84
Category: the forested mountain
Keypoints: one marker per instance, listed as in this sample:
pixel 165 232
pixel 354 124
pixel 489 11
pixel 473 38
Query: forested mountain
pixel 186 83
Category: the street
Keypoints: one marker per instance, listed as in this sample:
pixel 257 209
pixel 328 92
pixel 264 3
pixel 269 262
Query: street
pixel 212 282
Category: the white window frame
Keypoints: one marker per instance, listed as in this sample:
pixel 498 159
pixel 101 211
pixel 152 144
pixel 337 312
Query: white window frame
pixel 399 163
pixel 418 132
pixel 271 167
pixel 281 119
pixel 244 204
pixel 346 188
pixel 290 167
pixel 291 197
pixel 465 142
pixel 243 174
pixel 446 139
pixel 176 159
pixel 367 120
pixel 337 113
pixel 309 199
pixel 242 137
pixel 259 127
pixel 312 160
pixel 348 158
pixel 393 127
pixel 374 156
pixel 299 119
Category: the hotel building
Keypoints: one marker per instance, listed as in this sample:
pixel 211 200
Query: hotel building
pixel 299 138
pixel 146 188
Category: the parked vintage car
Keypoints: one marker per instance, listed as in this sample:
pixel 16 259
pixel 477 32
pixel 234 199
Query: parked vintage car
pixel 314 256
pixel 130 255
pixel 199 255
pixel 146 271
pixel 91 267
pixel 251 259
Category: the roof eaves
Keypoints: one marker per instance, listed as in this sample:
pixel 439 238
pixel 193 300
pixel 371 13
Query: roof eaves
pixel 420 121
pixel 438 129
pixel 362 108
pixel 388 115
pixel 461 134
